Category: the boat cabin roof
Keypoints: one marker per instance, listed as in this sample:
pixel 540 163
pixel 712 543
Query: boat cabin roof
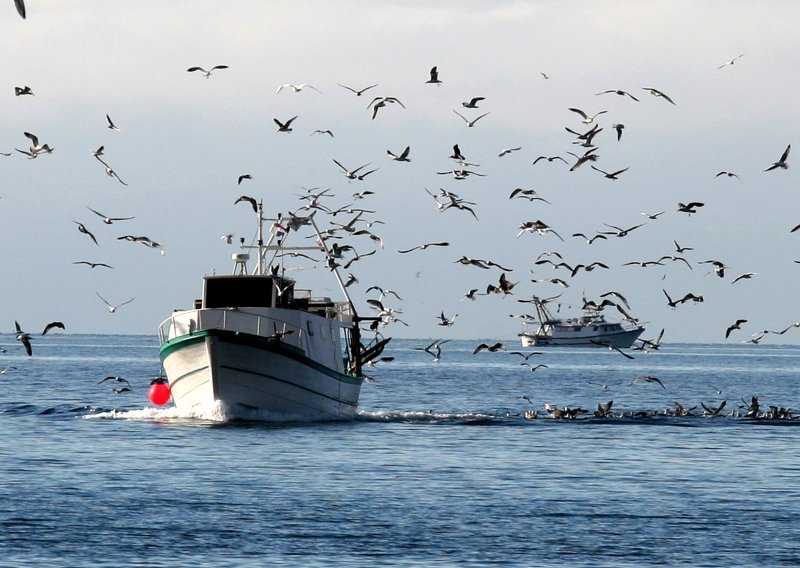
pixel 248 291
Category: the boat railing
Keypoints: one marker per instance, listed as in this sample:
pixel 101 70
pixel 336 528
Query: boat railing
pixel 191 321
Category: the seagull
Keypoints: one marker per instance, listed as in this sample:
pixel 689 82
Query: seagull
pixel 318 131
pixel 243 177
pixel 109 220
pixel 284 126
pixel 618 92
pixel 116 379
pixel 735 325
pixel 435 346
pixel 611 348
pixel 612 175
pixel 648 379
pixel 111 308
pixel 111 125
pixel 690 207
pixel 445 321
pixel 586 118
pixel 24 338
pixel 657 93
pixel 86 231
pixel 729 174
pixel 731 62
pixel 619 128
pixel 357 92
pixel 549 159
pixel 402 157
pixel 491 348
pixel 505 151
pixel 51 325
pixel 424 246
pixel 473 102
pixel 744 276
pixel 93 264
pixel 380 102
pixel 652 216
pixel 20 5
pixel 434 73
pixel 250 200
pixel 109 172
pixel 25 90
pixel 470 123
pixel 4 371
pixel 296 88
pixel 36 148
pixel 206 73
pixel 781 163
pixel 354 173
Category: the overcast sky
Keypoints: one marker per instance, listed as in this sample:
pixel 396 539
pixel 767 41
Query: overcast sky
pixel 184 140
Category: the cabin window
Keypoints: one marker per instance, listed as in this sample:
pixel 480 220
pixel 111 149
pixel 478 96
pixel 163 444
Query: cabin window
pixel 594 328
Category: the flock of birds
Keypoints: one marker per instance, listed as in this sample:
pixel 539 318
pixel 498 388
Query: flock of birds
pixel 349 221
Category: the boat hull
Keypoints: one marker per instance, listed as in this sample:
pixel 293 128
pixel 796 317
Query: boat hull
pixel 622 339
pixel 256 373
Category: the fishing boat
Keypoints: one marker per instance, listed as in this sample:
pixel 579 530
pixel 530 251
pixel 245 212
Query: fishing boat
pixel 588 330
pixel 256 341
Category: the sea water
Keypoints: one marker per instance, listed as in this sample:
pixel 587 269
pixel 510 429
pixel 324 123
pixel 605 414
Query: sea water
pixel 441 468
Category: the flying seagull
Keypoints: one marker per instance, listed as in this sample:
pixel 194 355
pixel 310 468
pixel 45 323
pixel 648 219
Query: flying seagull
pixel 781 163
pixel 51 325
pixel 473 102
pixel 586 118
pixel 24 338
pixel 206 73
pixel 731 62
pixel 297 88
pixel 243 177
pixel 20 4
pixel 657 93
pixel 249 200
pixel 109 220
pixel 116 379
pixel 24 90
pixel 434 73
pixel 112 308
pixel 111 124
pixel 93 264
pixel 470 123
pixel 284 126
pixel 618 92
pixel 86 231
pixel 358 92
pixel 648 379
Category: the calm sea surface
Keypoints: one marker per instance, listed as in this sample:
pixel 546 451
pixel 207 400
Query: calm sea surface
pixel 441 468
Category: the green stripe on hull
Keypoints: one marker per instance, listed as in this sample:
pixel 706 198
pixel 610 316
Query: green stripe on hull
pixel 264 343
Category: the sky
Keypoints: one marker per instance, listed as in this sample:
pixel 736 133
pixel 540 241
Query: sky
pixel 184 140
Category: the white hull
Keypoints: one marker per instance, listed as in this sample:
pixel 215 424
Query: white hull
pixel 245 370
pixel 621 339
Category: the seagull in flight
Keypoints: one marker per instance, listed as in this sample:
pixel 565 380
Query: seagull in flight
pixel 434 77
pixel 93 264
pixel 657 93
pixel 24 90
pixel 424 246
pixel 109 220
pixel 284 126
pixel 470 123
pixel 53 324
pixel 116 379
pixel 358 92
pixel 248 199
pixel 735 325
pixel 505 151
pixel 24 338
pixel 648 379
pixel 781 163
pixel 729 174
pixel 243 177
pixel 111 124
pixel 586 118
pixel 618 92
pixel 731 62
pixel 473 102
pixel 402 156
pixel 20 5
pixel 296 88
pixel 112 308
pixel 85 231
pixel 608 175
pixel 204 72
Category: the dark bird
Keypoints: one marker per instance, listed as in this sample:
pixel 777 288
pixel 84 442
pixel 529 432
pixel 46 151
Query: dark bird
pixel 612 348
pixel 729 174
pixel 249 200
pixel 402 156
pixel 549 159
pixel 243 177
pixel 532 368
pixel 51 325
pixel 424 246
pixel 434 76
pixel 491 348
pixel 690 207
pixel 20 5
pixel 648 379
pixel 116 379
pixel 93 264
pixel 612 175
pixel 473 102
pixel 24 338
pixel 204 72
pixel 24 90
pixel 85 231
pixel 736 325
pixel 781 163
pixel 111 124
pixel 619 128
pixel 284 126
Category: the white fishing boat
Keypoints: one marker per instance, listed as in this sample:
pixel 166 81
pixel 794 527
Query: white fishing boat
pixel 588 330
pixel 256 341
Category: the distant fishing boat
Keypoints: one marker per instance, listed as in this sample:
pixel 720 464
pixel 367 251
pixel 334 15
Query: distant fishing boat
pixel 589 330
pixel 255 341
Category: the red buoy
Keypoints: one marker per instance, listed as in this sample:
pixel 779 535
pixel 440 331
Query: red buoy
pixel 159 393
